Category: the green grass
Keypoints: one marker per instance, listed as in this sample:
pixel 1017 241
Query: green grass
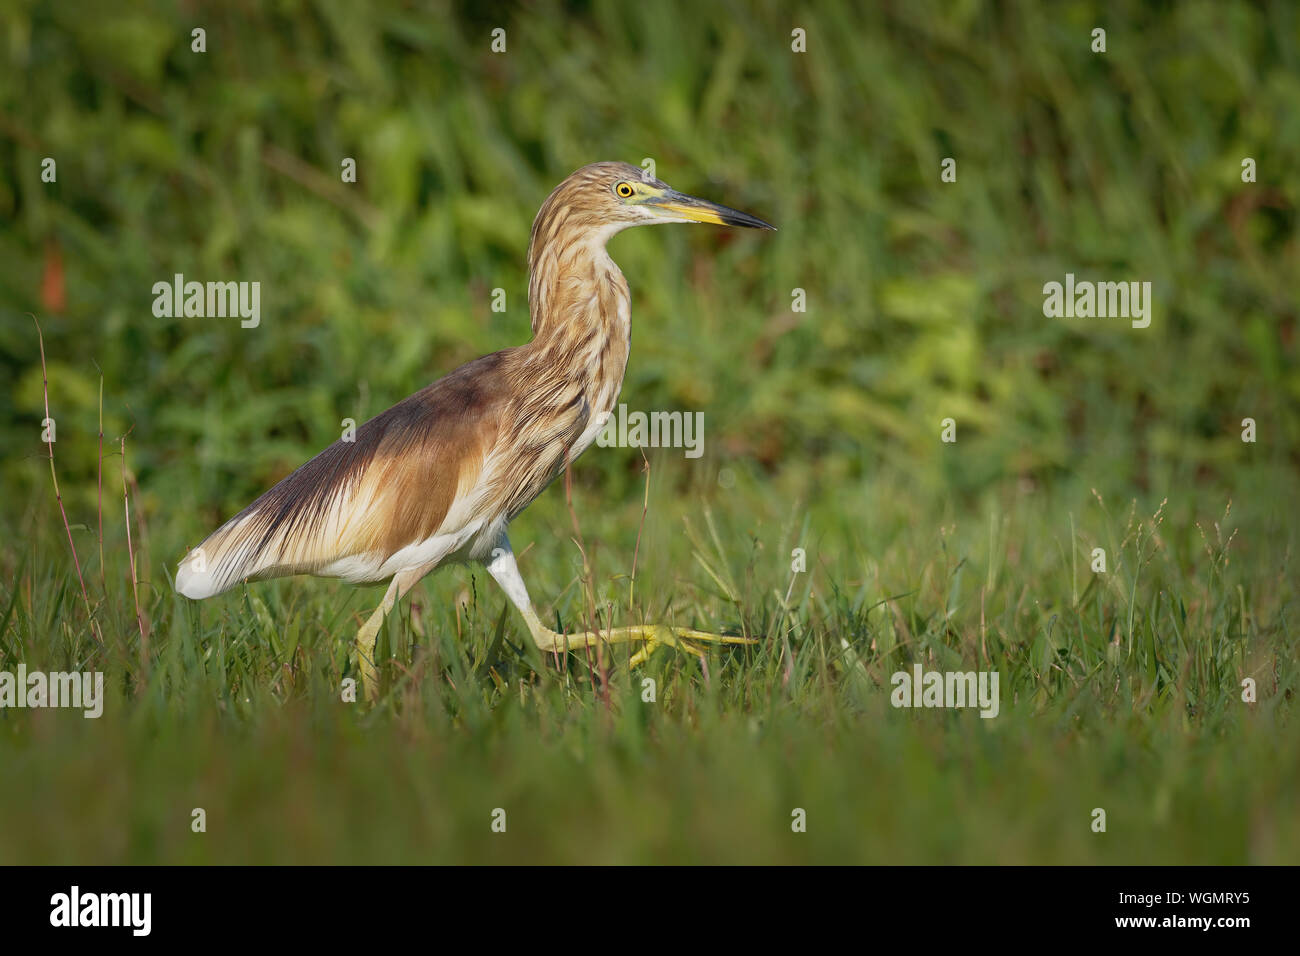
pixel 1120 691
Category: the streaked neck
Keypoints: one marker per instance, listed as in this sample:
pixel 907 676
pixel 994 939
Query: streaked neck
pixel 579 304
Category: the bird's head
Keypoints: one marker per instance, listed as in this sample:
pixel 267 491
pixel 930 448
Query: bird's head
pixel 605 198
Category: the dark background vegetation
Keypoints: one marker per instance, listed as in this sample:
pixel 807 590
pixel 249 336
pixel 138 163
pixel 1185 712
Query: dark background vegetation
pixel 924 301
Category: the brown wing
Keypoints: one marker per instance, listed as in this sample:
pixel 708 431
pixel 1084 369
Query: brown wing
pixel 393 486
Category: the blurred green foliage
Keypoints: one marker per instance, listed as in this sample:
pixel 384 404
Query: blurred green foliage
pixel 924 298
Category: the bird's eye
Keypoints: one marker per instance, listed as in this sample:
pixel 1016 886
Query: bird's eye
pixel 624 190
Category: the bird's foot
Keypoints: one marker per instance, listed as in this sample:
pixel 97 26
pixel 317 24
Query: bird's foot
pixel 682 638
pixel 366 659
pixel 654 635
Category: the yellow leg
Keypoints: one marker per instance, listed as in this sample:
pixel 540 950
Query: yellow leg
pixel 366 651
pixel 502 567
pixel 402 582
pixel 654 636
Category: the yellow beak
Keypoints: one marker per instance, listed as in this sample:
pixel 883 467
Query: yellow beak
pixel 675 205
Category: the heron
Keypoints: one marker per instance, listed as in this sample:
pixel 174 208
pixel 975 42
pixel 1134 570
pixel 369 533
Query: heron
pixel 438 477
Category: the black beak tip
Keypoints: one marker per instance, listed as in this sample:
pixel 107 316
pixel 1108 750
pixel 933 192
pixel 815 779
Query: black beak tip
pixel 747 221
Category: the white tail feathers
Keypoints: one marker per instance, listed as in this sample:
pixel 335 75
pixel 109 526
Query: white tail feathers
pixel 195 579
pixel 223 560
